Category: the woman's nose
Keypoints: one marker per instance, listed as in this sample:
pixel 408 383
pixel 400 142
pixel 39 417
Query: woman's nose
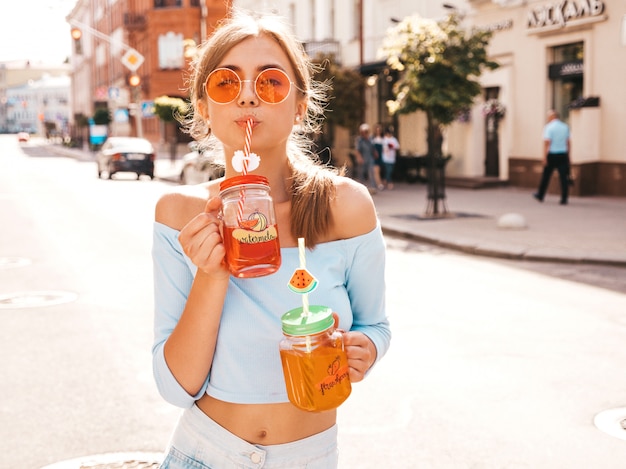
pixel 247 96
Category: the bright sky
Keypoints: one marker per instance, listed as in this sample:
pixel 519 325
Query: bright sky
pixel 35 30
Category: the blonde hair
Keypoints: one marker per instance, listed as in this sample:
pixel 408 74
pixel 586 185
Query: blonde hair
pixel 312 185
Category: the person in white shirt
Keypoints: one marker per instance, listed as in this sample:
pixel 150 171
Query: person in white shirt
pixel 390 148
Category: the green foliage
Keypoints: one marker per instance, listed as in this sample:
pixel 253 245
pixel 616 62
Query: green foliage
pixel 81 120
pixel 101 116
pixel 440 64
pixel 346 91
pixel 170 109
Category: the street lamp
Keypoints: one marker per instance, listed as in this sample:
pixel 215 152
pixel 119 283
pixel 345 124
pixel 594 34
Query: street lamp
pixel 134 80
pixel 77 34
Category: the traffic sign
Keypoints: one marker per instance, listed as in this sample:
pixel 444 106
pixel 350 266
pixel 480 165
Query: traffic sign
pixel 132 59
pixel 147 108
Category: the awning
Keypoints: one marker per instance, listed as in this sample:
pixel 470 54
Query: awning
pixel 373 68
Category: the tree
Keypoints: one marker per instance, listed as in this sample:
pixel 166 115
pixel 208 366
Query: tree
pixel 170 110
pixel 439 65
pixel 102 116
pixel 346 89
pixel 345 97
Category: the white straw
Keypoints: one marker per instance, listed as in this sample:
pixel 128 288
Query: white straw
pixel 305 296
pixel 302 253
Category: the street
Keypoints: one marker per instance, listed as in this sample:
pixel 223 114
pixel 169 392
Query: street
pixel 492 364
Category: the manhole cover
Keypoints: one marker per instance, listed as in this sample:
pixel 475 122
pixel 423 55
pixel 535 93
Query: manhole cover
pixel 112 461
pixel 11 262
pixel 33 299
pixel 613 422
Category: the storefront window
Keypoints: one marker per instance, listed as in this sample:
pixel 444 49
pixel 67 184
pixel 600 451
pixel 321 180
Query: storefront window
pixel 566 73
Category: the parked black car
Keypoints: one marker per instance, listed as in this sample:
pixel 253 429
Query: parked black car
pixel 126 154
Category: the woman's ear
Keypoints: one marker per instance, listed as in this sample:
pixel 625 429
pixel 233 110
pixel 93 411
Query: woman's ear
pixel 300 112
pixel 201 108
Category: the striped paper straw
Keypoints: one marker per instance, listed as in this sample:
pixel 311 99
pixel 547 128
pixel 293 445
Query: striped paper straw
pixel 246 153
pixel 246 145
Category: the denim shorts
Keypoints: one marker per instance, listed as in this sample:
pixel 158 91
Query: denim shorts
pixel 200 443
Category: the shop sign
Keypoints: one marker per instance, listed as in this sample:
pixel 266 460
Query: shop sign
pixel 498 26
pixel 565 69
pixel 559 14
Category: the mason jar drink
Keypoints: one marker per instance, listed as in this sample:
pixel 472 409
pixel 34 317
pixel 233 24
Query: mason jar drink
pixel 249 226
pixel 314 362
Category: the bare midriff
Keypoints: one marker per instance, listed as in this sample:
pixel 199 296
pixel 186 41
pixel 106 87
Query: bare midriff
pixel 266 424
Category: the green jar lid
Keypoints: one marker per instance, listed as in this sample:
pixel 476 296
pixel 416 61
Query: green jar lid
pixel 295 322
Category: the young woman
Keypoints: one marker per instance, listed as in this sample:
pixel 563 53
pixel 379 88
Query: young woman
pixel 216 336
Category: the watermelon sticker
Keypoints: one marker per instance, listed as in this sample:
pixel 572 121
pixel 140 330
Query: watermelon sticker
pixel 302 282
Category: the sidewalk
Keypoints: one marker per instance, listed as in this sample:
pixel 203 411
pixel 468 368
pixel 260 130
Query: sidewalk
pixel 588 230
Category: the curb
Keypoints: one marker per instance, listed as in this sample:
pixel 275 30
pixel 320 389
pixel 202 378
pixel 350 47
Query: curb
pixel 501 253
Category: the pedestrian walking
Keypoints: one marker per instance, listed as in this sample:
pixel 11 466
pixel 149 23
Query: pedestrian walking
pixel 390 149
pixel 365 154
pixel 557 147
pixel 216 347
pixel 379 166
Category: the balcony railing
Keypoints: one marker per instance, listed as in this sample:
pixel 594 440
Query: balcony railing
pixel 324 48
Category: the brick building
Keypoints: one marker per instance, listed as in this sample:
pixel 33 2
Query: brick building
pixel 162 32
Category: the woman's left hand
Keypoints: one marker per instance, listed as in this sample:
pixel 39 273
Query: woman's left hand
pixel 361 353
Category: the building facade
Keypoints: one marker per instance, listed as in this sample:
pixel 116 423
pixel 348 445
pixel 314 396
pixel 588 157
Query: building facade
pixel 567 55
pixel 152 40
pixel 39 106
pixel 15 77
pixel 353 31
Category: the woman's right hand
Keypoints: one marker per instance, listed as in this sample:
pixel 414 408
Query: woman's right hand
pixel 202 242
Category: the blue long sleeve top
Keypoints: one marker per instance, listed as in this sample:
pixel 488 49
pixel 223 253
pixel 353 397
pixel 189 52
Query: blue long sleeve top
pixel 246 365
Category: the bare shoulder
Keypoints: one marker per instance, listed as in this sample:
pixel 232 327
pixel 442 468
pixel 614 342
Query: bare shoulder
pixel 353 209
pixel 177 207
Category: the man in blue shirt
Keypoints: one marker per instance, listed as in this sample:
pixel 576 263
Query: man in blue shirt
pixel 556 139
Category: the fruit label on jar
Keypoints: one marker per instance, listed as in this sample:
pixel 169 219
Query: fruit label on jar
pixel 255 230
pixel 336 375
pixel 316 381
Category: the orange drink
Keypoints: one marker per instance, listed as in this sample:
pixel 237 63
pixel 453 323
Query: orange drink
pixel 250 232
pixel 314 362
pixel 250 254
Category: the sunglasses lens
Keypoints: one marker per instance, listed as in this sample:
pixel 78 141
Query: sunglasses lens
pixel 223 85
pixel 273 86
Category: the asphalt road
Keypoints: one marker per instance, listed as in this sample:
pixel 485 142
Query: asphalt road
pixel 492 364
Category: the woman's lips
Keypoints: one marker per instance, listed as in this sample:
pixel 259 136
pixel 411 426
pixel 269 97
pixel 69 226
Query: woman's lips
pixel 244 122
